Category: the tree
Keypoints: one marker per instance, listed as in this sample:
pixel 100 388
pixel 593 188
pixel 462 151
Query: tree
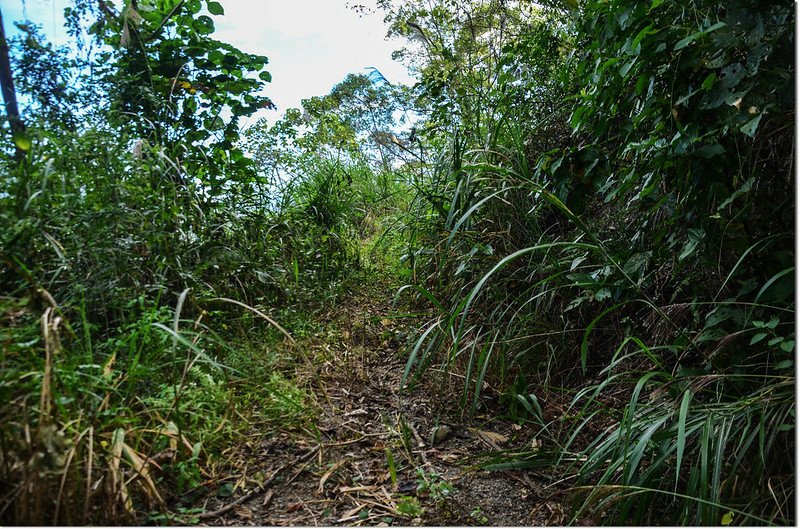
pixel 357 121
pixel 10 95
pixel 174 85
pixel 465 52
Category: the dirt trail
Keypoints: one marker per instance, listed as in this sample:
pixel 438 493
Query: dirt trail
pixel 341 474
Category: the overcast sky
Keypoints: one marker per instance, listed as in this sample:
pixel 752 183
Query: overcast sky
pixel 311 44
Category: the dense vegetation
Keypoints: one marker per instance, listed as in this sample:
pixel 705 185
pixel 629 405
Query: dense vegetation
pixel 592 202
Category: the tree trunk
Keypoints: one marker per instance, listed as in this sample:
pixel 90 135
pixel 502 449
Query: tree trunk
pixel 9 94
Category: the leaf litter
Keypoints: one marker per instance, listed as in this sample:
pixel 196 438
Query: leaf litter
pixel 337 471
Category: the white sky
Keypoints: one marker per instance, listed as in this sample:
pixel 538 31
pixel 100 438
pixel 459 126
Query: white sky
pixel 311 44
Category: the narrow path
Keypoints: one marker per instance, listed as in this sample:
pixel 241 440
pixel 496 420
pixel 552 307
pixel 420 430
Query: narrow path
pixel 371 457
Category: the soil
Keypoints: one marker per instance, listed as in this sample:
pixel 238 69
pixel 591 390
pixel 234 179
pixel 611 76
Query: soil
pixel 338 472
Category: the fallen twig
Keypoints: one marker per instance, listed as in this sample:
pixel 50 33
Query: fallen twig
pixel 415 433
pixel 258 490
pixel 362 488
pixel 420 444
pixel 267 498
pixel 328 474
pixel 343 443
pixel 388 508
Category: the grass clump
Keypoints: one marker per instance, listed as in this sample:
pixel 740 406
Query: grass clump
pixel 600 240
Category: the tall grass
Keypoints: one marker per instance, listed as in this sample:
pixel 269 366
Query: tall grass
pixel 90 430
pixel 609 251
pixel 127 364
pixel 690 399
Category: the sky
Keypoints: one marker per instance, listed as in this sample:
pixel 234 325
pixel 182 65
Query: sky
pixel 311 44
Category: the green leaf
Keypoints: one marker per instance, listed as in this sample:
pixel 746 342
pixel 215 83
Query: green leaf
pixel 225 490
pixel 193 6
pixel 784 364
pixel 641 82
pixel 727 518
pixel 392 467
pixel 215 8
pixel 640 448
pixel 715 27
pixel 708 82
pixel 577 117
pixel 627 68
pixel 637 40
pixel 731 75
pixel 757 338
pixel 265 76
pixel 696 236
pixel 709 151
pixel 686 97
pixel 746 187
pixel 721 314
pixel 636 263
pixel 788 346
pixel 691 38
pixel 214 124
pixel 22 141
pixel 536 407
pixel 685 42
pixel 216 57
pixel 203 25
pixel 750 127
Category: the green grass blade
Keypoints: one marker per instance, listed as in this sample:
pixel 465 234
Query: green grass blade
pixel 415 352
pixel 468 214
pixel 772 280
pixel 594 322
pixel 483 364
pixel 681 438
pixel 176 319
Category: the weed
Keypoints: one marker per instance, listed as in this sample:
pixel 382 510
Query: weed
pixel 409 506
pixel 392 468
pixel 433 486
pixel 478 516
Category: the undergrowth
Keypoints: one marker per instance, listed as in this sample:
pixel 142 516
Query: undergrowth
pixel 592 203
pixel 604 237
pixel 148 323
